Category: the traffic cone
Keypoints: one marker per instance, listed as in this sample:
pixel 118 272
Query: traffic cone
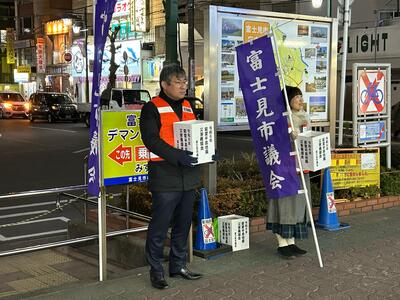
pixel 328 218
pixel 205 238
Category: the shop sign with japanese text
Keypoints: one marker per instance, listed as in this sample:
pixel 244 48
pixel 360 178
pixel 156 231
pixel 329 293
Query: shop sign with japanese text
pixel 24 69
pixel 124 157
pixel 265 108
pixel 40 56
pixel 355 169
pixel 10 46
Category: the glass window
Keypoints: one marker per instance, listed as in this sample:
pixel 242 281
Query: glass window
pixel 58 99
pixel 11 97
pixel 117 96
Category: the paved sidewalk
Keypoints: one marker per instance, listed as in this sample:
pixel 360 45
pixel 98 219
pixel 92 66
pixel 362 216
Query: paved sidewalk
pixel 362 262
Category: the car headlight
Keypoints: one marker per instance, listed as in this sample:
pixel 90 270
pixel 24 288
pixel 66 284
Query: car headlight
pixel 7 105
pixel 55 107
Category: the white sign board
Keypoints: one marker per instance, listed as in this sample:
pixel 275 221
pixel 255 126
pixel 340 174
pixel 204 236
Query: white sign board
pixel 304 45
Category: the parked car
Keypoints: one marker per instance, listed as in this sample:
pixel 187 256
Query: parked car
pixel 116 99
pixel 12 104
pixel 52 107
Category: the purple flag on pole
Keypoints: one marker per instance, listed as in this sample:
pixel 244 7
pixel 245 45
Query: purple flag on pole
pixel 103 14
pixel 265 106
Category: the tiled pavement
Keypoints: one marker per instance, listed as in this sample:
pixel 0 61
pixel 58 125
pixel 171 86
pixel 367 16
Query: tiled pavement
pixel 362 262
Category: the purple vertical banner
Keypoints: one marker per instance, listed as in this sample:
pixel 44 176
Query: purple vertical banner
pixel 103 14
pixel 265 106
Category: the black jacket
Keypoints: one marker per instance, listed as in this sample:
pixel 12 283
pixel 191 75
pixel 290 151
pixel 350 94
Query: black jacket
pixel 167 175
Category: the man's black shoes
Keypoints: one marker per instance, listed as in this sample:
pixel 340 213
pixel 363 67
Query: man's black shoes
pixel 185 273
pixel 158 281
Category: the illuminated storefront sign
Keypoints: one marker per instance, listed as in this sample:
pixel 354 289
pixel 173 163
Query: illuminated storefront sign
pixel 122 8
pixel 138 15
pixel 130 15
pixel 40 56
pixel 10 46
pixel 20 76
pixel 24 69
pixel 58 26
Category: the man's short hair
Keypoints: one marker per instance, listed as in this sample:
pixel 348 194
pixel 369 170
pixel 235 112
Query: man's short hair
pixel 170 70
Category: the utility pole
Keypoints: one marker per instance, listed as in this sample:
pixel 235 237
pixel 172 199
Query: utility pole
pixel 86 57
pixel 329 8
pixel 17 28
pixel 343 71
pixel 191 63
pixel 171 21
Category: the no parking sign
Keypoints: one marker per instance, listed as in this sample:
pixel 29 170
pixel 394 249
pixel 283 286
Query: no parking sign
pixel 372 106
pixel 371 91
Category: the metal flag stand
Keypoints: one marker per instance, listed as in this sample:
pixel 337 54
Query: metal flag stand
pixel 303 182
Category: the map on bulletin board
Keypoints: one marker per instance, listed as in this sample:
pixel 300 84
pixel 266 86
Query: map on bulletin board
pixel 303 47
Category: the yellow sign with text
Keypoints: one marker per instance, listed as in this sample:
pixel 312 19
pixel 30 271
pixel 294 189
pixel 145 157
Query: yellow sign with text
pixel 124 157
pixel 24 69
pixel 358 169
pixel 254 30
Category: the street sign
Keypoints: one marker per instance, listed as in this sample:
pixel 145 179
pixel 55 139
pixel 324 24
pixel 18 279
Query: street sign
pixel 371 91
pixel 67 56
pixel 372 106
pixel 374 131
pixel 123 155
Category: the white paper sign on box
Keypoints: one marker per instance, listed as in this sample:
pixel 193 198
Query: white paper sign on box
pixel 234 230
pixel 315 150
pixel 196 136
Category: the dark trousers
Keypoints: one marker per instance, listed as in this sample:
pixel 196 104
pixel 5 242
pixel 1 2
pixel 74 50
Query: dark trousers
pixel 178 208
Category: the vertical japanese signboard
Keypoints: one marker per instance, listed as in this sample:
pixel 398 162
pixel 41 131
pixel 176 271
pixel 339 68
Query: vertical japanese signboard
pixel 265 108
pixel 305 45
pixel 138 15
pixel 10 46
pixel 103 13
pixel 124 157
pixel 40 56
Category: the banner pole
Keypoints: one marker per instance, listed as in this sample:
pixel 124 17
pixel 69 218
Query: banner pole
pixel 281 77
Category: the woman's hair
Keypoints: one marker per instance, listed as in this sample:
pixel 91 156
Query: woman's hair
pixel 291 91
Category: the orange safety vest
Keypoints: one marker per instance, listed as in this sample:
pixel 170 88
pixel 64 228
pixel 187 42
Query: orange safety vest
pixel 168 117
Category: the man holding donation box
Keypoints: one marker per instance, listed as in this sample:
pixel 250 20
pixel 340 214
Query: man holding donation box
pixel 173 176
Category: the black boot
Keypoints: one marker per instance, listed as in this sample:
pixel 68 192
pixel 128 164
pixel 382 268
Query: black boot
pixel 296 250
pixel 286 252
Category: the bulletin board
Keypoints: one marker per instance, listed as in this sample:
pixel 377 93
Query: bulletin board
pixel 306 45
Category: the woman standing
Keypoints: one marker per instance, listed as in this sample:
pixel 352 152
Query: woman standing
pixel 287 216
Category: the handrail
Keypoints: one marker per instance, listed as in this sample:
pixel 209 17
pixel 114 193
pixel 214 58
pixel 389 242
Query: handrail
pixel 70 241
pixel 43 192
pixel 131 213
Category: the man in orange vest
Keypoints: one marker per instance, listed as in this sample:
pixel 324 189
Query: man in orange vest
pixel 173 177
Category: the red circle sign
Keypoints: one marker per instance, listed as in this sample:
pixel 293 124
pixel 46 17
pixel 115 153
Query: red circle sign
pixel 67 57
